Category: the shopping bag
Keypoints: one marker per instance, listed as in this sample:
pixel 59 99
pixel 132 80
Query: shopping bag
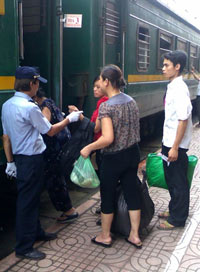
pixel 121 221
pixel 155 171
pixel 83 174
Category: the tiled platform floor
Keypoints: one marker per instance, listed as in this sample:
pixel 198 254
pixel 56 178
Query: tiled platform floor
pixel 163 251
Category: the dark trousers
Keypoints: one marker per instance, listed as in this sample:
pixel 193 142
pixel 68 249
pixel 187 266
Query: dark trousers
pixel 57 189
pixel 176 179
pixel 29 185
pixel 120 166
pixel 198 107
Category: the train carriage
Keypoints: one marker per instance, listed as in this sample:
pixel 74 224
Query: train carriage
pixel 70 40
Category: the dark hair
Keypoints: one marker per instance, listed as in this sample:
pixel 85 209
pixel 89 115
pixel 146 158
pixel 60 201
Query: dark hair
pixel 96 79
pixel 177 57
pixel 114 74
pixel 23 84
pixel 40 93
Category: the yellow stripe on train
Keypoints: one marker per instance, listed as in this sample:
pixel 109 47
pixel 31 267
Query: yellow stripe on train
pixel 7 82
pixel 145 78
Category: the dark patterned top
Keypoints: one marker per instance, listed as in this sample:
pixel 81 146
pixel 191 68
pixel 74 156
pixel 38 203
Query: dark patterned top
pixel 54 143
pixel 123 111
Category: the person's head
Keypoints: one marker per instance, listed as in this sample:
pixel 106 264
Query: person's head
pixel 173 63
pixel 96 88
pixel 40 95
pixel 111 75
pixel 27 79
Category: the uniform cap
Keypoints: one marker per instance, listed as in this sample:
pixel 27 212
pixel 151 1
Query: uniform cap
pixel 29 72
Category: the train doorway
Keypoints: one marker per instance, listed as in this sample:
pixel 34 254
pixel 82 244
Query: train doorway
pixel 39 40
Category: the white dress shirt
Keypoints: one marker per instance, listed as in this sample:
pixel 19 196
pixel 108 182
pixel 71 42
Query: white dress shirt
pixel 177 107
pixel 24 123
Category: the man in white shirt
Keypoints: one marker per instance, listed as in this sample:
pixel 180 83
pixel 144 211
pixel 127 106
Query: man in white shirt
pixel 198 96
pixel 177 133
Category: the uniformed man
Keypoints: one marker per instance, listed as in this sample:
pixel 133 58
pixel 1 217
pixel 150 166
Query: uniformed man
pixel 23 123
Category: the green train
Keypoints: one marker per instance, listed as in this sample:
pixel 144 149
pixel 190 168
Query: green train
pixel 70 40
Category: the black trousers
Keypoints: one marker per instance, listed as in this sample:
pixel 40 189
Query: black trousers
pixel 56 184
pixel 176 179
pixel 120 166
pixel 198 107
pixel 29 185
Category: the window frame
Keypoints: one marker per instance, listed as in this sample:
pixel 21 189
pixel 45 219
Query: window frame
pixel 172 36
pixel 197 54
pixel 186 69
pixel 145 26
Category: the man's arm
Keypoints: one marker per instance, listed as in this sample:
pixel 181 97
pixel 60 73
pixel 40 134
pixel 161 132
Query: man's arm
pixel 173 152
pixel 72 117
pixel 195 75
pixel 7 148
pixel 11 169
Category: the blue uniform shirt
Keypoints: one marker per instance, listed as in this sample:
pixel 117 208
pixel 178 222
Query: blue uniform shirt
pixel 23 122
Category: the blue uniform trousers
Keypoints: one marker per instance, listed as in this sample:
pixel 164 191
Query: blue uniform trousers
pixel 30 171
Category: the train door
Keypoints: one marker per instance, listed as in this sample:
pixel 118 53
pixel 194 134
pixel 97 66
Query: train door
pixel 111 38
pixel 39 40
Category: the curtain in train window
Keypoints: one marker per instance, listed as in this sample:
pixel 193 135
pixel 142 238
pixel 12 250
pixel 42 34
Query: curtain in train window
pixel 143 48
pixel 111 23
pixel 165 45
pixel 193 56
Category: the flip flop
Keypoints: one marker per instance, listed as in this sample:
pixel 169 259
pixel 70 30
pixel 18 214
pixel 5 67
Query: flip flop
pixel 163 215
pixel 138 246
pixel 93 240
pixel 166 226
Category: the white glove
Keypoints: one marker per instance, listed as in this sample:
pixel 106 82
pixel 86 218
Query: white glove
pixel 74 116
pixel 11 169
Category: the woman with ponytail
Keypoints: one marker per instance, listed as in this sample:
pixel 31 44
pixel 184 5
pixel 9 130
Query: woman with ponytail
pixel 119 117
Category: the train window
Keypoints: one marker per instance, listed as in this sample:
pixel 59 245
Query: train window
pixel 111 23
pixel 194 56
pixel 166 44
pixel 143 48
pixel 182 45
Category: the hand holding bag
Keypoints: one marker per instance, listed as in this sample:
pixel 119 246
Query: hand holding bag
pixel 155 171
pixel 83 174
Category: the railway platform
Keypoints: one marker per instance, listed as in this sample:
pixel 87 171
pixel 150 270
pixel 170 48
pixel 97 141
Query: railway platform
pixel 176 250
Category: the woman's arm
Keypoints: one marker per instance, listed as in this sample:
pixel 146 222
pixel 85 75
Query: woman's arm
pixel 106 138
pixel 46 112
pixel 97 127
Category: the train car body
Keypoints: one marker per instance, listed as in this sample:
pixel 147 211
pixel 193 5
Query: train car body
pixel 70 40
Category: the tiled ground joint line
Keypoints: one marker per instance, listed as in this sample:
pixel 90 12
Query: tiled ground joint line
pixel 178 253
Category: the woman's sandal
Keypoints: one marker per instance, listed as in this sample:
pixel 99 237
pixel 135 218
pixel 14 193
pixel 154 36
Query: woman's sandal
pixel 166 226
pixel 163 215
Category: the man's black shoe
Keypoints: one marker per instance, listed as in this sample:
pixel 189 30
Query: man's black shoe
pixel 32 255
pixel 47 237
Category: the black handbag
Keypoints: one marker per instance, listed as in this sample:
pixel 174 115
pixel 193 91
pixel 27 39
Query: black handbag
pixel 121 221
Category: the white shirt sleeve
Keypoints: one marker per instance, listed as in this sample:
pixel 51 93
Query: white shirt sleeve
pixel 182 104
pixel 38 120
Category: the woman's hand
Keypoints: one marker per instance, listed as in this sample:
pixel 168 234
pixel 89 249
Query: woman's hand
pixel 85 152
pixel 72 108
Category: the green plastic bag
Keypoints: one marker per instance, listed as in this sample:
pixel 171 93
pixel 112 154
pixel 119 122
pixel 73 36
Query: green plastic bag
pixel 155 171
pixel 83 174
